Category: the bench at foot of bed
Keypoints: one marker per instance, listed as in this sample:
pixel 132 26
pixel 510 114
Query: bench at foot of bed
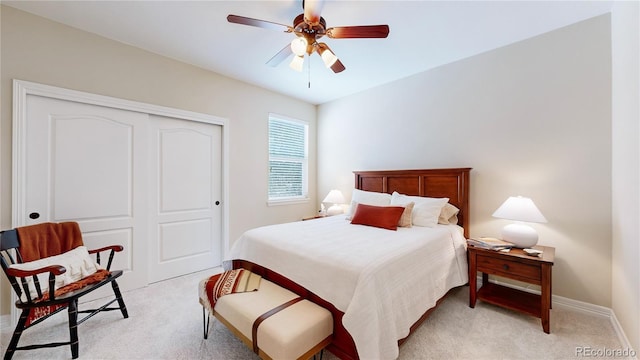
pixel 273 321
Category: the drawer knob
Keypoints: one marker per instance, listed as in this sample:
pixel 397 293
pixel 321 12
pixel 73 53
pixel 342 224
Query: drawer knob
pixel 505 267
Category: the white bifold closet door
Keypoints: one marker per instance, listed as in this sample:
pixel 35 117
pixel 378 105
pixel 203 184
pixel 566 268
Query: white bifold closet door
pixel 147 182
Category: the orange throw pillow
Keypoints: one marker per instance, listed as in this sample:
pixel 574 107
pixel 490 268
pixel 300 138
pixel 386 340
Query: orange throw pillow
pixel 385 217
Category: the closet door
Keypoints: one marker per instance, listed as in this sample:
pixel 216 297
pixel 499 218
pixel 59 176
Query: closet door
pixel 185 197
pixel 87 163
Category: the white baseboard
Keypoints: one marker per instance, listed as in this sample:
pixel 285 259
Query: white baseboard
pixel 586 308
pixel 621 335
pixel 581 307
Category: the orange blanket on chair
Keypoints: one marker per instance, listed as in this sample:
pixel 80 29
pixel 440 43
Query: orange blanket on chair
pixel 48 239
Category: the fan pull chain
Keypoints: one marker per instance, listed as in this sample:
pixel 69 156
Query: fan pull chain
pixel 309 72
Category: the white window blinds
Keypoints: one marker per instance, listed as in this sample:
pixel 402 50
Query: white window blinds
pixel 288 142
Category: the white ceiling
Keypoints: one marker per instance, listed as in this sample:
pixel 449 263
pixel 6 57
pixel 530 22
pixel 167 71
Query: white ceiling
pixel 423 35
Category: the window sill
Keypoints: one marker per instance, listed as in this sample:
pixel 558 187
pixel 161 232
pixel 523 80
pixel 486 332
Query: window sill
pixel 290 201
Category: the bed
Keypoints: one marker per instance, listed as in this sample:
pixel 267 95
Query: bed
pixel 379 284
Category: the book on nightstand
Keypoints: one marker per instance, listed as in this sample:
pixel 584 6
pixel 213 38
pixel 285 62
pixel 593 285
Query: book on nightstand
pixel 489 243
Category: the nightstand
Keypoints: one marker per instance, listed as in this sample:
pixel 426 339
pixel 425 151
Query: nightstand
pixel 517 265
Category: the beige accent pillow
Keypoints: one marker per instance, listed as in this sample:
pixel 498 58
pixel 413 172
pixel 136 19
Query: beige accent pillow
pixel 405 219
pixel 448 215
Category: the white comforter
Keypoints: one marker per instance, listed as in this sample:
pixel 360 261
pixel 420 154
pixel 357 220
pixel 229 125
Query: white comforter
pixel 382 280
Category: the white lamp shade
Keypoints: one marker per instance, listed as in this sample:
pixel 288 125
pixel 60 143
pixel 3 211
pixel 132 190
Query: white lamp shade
pixel 520 208
pixel 335 198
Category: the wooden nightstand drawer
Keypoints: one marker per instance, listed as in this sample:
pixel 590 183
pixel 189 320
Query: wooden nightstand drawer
pixel 508 268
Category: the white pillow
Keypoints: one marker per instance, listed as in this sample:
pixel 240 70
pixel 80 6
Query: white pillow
pixel 369 198
pixel 426 210
pixel 78 263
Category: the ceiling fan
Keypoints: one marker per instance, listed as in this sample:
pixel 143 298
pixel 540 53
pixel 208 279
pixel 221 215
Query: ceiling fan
pixel 309 27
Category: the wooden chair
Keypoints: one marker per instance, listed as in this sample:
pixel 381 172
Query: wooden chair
pixel 36 309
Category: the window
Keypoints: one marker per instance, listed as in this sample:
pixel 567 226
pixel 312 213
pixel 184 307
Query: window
pixel 288 168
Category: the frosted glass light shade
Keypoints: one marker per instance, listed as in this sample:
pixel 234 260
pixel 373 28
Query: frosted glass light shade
pixel 520 209
pixel 296 63
pixel 299 46
pixel 328 57
pixel 335 198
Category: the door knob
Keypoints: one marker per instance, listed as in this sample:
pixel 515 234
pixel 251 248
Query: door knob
pixel 34 215
pixel 217 202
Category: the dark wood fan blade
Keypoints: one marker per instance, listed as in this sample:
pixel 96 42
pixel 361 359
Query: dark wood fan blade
pixel 236 19
pixel 365 31
pixel 337 67
pixel 280 56
pixel 312 10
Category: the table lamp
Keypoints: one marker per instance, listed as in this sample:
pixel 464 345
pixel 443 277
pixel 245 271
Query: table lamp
pixel 520 209
pixel 336 199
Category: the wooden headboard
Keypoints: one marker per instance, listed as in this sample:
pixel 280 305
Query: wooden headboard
pixel 449 183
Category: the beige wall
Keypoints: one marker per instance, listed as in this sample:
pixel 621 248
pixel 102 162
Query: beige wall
pixel 625 23
pixel 531 119
pixel 38 50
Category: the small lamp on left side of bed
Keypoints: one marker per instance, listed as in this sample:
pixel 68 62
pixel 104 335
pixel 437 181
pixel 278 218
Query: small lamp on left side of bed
pixel 335 199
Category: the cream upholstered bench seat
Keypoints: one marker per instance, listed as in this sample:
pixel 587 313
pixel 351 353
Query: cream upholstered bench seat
pixel 298 331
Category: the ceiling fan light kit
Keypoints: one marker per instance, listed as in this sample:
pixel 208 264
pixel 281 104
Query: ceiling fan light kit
pixel 299 46
pixel 309 27
pixel 328 57
pixel 296 63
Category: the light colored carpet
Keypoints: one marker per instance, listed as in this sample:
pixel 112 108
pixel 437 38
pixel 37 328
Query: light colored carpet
pixel 165 322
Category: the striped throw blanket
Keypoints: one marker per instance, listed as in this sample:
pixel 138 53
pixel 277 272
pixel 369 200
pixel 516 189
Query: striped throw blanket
pixel 229 282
